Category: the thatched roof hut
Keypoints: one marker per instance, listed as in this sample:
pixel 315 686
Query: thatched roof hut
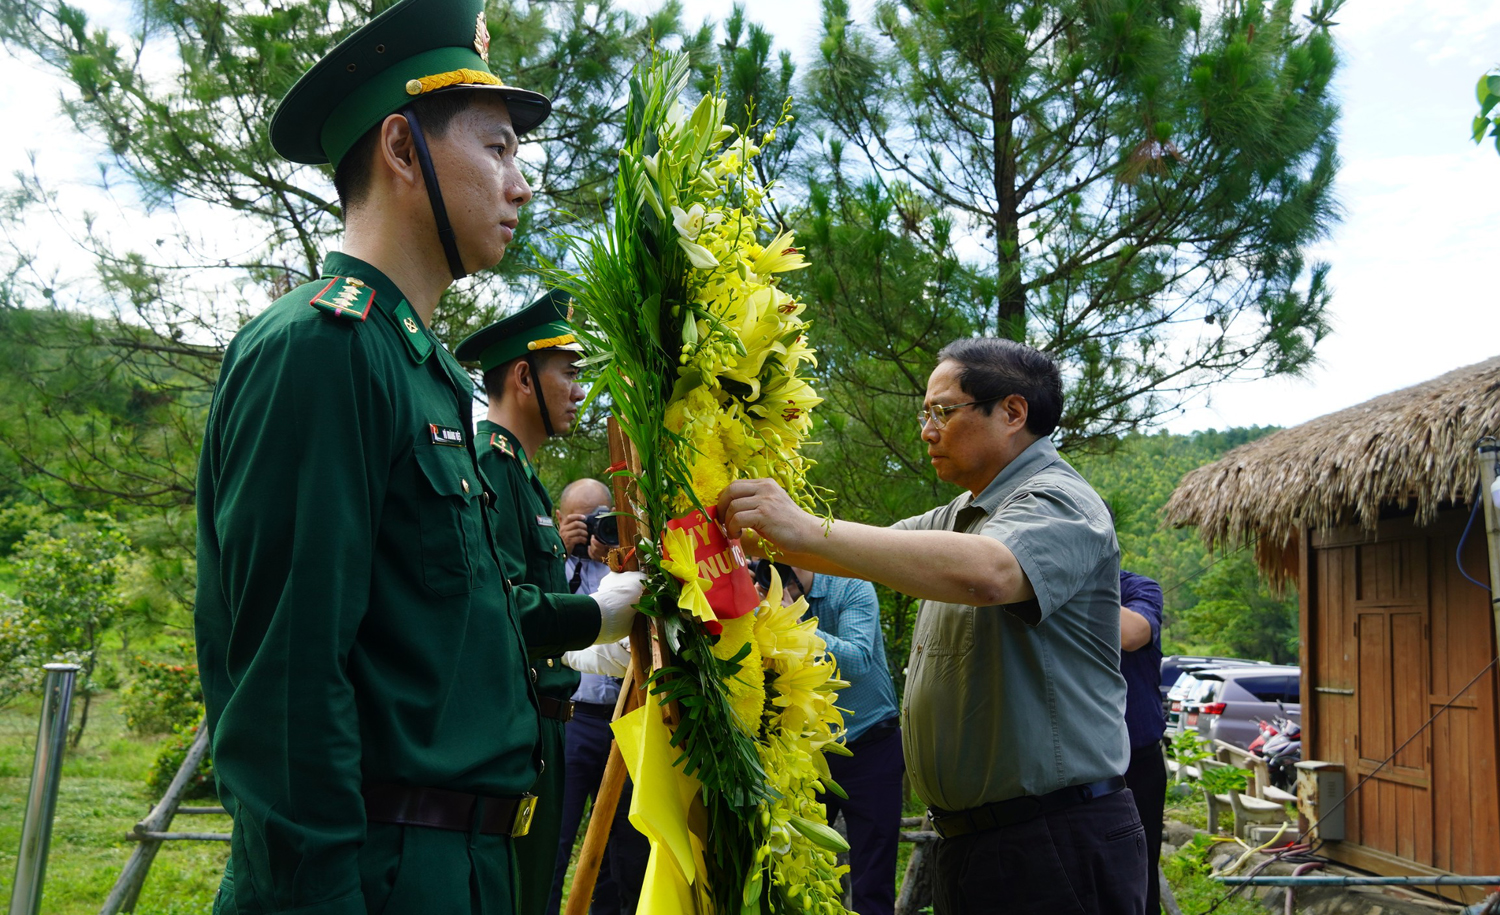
pixel 1413 447
pixel 1367 509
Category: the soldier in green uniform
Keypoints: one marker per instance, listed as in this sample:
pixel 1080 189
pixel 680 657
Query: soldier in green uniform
pixel 531 377
pixel 374 727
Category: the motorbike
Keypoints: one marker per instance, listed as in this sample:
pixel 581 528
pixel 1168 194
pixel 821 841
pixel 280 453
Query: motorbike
pixel 1281 748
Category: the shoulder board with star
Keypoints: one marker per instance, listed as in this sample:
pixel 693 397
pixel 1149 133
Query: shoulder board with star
pixel 502 444
pixel 345 297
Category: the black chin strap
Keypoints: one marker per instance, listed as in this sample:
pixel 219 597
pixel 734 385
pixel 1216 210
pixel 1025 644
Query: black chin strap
pixel 541 399
pixel 434 194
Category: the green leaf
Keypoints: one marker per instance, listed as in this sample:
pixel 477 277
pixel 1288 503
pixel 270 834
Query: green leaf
pixel 1493 84
pixel 1480 124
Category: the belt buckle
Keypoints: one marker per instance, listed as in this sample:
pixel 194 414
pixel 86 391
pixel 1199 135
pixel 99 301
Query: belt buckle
pixel 525 808
pixel 934 820
pixel 569 709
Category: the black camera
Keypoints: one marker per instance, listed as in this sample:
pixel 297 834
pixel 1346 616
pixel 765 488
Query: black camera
pixel 601 524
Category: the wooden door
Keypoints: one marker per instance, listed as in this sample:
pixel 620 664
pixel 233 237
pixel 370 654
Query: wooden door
pixel 1390 635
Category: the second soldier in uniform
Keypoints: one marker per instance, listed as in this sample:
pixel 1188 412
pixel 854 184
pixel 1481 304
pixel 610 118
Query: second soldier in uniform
pixel 530 374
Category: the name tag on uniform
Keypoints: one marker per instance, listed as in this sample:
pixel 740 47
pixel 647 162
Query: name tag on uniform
pixel 544 521
pixel 446 435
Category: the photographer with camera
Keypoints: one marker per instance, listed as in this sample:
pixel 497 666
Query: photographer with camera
pixel 589 530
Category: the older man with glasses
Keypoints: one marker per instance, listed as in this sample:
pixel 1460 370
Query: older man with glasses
pixel 1014 712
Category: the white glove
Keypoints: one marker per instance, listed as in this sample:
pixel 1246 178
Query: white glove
pixel 611 659
pixel 617 596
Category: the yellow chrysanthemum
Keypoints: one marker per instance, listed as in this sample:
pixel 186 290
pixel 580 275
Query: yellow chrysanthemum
pixel 747 690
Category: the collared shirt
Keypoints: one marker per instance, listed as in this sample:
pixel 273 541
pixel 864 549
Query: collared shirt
pixel 1021 699
pixel 352 622
pixel 592 688
pixel 1144 716
pixel 593 573
pixel 849 621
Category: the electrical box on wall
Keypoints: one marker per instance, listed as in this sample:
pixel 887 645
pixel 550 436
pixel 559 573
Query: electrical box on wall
pixel 1320 788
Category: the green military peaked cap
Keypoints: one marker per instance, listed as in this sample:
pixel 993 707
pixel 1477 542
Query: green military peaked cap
pixel 542 325
pixel 413 49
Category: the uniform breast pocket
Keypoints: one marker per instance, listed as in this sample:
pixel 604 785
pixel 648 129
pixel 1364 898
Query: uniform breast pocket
pixel 545 543
pixel 452 530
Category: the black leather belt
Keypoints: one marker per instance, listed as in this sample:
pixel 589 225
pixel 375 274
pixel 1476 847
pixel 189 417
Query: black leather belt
pixel 593 710
pixel 560 709
pixel 1018 809
pixel 877 732
pixel 437 808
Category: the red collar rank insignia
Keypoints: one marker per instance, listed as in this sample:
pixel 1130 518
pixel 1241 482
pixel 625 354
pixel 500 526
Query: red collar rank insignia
pixel 446 435
pixel 502 443
pixel 346 297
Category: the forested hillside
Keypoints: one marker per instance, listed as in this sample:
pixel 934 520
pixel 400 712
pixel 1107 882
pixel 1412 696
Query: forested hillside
pixel 1215 603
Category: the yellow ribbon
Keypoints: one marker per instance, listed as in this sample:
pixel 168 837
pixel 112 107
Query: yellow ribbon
pixel 678 559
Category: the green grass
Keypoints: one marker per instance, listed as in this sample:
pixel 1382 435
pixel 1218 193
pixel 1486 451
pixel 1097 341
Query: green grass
pixel 102 794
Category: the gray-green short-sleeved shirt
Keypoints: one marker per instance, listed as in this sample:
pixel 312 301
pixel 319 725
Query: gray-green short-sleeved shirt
pixel 1024 699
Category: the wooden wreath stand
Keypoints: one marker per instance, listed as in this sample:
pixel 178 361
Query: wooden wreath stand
pixel 646 654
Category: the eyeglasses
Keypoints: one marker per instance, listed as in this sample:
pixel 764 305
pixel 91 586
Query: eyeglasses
pixel 938 414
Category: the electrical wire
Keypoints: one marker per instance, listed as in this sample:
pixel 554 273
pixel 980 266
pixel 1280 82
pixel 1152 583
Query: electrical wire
pixel 1364 780
pixel 1458 554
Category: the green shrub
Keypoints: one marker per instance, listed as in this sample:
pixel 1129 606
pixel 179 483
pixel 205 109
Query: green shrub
pixel 22 651
pixel 1224 779
pixel 162 697
pixel 169 759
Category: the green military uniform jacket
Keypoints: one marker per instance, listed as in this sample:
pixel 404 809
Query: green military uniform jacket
pixel 552 620
pixel 353 624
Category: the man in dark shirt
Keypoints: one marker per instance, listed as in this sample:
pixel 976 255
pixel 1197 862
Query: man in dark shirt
pixel 1140 662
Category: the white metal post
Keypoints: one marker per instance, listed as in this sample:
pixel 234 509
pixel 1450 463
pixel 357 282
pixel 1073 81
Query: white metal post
pixel 41 799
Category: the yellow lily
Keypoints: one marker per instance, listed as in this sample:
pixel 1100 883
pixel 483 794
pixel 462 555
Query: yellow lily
pixel 779 256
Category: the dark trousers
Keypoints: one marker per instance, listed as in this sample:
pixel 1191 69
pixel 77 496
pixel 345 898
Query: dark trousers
pixel 1147 779
pixel 1089 859
pixel 624 866
pixel 872 813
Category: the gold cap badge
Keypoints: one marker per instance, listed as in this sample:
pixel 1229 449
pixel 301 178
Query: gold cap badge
pixel 482 37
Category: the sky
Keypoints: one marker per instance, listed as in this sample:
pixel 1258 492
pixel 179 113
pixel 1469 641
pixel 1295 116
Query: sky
pixel 1412 261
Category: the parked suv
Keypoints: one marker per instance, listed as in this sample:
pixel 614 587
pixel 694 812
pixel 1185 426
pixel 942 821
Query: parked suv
pixel 1228 703
pixel 1172 666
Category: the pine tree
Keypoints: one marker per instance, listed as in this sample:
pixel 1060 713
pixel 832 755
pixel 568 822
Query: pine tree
pixel 183 104
pixel 1130 185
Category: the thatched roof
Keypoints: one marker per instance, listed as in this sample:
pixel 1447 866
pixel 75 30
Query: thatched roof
pixel 1415 445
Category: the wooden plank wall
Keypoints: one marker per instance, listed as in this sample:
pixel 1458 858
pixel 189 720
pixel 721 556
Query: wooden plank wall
pixel 1391 631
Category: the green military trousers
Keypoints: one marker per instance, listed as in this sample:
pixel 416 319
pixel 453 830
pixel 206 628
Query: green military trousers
pixel 409 870
pixel 536 852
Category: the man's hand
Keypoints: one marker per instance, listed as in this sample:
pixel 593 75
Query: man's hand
pixel 598 550
pixel 574 531
pixel 617 596
pixel 763 507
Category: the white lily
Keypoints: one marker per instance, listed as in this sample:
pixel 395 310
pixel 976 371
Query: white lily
pixel 692 221
pixel 698 256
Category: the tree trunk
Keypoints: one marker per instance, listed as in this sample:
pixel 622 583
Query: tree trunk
pixel 1010 298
